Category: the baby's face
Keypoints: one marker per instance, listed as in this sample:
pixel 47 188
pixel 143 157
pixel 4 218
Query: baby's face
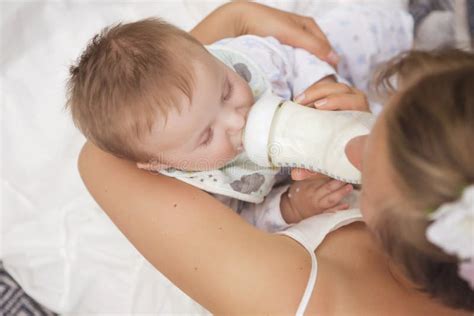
pixel 207 133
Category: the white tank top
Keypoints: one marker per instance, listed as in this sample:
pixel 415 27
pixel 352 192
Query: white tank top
pixel 310 233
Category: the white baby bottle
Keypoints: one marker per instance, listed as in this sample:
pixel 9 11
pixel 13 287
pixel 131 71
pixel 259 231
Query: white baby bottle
pixel 281 133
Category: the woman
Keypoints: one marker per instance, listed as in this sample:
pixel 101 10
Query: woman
pixel 230 267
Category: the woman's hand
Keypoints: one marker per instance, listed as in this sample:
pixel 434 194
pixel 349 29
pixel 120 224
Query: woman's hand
pixel 313 196
pixel 331 95
pixel 291 29
pixel 239 18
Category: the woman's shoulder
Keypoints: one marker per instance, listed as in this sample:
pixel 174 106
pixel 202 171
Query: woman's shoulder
pixel 349 266
pixel 354 278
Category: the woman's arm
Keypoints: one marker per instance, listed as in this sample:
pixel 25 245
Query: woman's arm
pixel 202 246
pixel 238 18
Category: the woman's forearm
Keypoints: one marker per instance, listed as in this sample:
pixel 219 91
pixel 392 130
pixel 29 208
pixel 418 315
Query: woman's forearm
pixel 202 246
pixel 242 17
pixel 223 22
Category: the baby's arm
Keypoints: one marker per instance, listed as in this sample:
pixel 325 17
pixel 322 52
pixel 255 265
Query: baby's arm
pixel 267 215
pixel 307 69
pixel 289 204
pixel 306 198
pixel 311 79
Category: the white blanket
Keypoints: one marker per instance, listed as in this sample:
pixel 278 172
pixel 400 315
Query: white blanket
pixel 55 240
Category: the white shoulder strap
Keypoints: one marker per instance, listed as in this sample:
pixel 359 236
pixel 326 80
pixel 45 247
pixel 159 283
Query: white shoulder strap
pixel 310 233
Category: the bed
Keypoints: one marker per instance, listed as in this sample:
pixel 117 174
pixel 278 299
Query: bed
pixel 55 241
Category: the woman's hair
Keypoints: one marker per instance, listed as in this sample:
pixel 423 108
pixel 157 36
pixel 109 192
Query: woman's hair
pixel 408 66
pixel 430 136
pixel 127 75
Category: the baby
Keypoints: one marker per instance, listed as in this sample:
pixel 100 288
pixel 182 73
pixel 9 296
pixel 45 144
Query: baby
pixel 149 92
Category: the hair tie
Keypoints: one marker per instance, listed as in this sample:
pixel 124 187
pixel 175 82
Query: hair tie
pixel 452 230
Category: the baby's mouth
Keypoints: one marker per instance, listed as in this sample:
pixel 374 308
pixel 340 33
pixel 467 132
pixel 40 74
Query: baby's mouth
pixel 240 148
pixel 242 133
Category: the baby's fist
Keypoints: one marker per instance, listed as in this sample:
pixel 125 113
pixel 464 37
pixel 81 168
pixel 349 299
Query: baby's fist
pixel 313 196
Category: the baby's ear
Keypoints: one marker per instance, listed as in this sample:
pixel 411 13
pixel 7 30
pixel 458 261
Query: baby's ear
pixel 151 166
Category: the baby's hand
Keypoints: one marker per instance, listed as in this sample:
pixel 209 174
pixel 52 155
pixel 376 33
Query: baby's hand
pixel 313 196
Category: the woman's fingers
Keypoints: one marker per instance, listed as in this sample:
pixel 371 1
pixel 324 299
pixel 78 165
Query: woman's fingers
pixel 322 90
pixel 320 45
pixel 312 27
pixel 289 28
pixel 343 101
pixel 334 96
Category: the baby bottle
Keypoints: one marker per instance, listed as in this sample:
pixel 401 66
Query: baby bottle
pixel 281 133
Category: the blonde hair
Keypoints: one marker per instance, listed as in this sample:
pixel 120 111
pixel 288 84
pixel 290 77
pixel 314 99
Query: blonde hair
pixel 129 76
pixel 430 131
pixel 409 66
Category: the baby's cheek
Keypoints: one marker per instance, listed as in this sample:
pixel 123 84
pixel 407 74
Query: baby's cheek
pixel 244 92
pixel 221 154
pixel 250 98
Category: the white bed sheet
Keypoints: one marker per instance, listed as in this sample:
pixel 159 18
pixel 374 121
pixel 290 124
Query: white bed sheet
pixel 55 240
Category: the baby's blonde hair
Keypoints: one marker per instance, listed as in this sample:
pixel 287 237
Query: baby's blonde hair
pixel 430 130
pixel 129 76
